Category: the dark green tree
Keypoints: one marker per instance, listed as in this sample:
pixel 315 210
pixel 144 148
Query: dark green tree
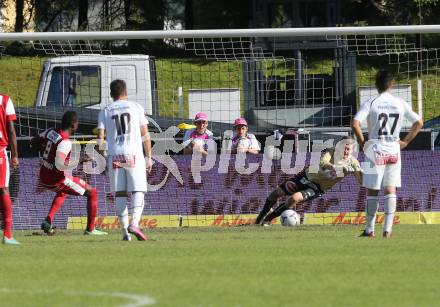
pixel 225 14
pixel 19 15
pixel 83 9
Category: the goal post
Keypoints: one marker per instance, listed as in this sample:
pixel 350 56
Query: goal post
pixel 305 83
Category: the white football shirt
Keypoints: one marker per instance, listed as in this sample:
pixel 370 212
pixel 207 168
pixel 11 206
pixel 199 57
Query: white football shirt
pixel 385 114
pixel 122 121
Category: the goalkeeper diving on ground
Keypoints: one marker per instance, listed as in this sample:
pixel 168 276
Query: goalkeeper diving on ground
pixel 334 165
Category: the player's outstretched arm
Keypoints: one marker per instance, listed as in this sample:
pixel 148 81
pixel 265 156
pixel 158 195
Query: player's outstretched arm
pixel 12 142
pixel 415 128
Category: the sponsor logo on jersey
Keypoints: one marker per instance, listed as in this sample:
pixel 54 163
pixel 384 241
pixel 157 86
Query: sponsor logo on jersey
pixel 387 107
pixel 53 136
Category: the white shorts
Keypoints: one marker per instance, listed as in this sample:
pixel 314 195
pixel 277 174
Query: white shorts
pixel 129 175
pixel 382 172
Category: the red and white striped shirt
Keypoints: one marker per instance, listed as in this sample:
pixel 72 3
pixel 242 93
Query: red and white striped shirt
pixel 7 113
pixel 56 143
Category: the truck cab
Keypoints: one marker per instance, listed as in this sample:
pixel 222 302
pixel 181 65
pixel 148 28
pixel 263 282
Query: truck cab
pixel 82 81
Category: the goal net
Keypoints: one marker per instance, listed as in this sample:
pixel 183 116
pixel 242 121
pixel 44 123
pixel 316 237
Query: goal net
pixel 307 84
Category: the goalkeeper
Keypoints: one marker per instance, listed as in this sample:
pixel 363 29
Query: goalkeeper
pixel 242 141
pixel 334 165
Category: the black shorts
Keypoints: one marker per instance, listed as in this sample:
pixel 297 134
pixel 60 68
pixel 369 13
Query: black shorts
pixel 300 183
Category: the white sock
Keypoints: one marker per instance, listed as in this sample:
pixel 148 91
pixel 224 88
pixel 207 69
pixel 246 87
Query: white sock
pixel 137 200
pixel 371 209
pixel 389 208
pixel 122 211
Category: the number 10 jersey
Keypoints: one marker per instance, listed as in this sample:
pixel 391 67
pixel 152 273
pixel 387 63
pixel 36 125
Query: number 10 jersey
pixel 122 121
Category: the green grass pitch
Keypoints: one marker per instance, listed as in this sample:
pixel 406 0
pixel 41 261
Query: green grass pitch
pixel 239 266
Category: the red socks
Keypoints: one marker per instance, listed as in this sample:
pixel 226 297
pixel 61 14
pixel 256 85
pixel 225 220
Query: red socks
pixel 6 209
pixel 57 202
pixel 92 208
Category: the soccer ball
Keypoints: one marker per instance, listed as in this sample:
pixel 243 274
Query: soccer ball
pixel 289 218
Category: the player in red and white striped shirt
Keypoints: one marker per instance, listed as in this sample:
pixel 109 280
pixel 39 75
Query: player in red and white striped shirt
pixel 54 174
pixel 7 137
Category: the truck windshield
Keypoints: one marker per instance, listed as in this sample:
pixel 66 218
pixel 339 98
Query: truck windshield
pixel 75 86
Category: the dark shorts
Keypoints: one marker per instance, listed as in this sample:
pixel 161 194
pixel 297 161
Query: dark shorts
pixel 300 183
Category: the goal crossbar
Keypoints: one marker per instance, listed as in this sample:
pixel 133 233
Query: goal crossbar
pixel 265 32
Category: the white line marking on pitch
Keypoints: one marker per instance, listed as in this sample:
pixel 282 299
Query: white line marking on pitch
pixel 136 300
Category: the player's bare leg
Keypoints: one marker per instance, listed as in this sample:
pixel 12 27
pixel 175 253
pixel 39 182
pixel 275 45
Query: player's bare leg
pixel 270 201
pixel 291 203
pixel 371 211
pixel 389 210
pixel 122 212
pixel 92 208
pixel 137 199
pixel 6 211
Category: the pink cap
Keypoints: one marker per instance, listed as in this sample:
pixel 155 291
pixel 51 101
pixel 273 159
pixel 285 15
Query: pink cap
pixel 240 122
pixel 201 116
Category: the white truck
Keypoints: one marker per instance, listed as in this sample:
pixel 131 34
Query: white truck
pixel 83 80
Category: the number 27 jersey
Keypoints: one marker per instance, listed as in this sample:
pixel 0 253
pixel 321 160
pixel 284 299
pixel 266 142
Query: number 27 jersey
pixel 385 114
pixel 122 121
